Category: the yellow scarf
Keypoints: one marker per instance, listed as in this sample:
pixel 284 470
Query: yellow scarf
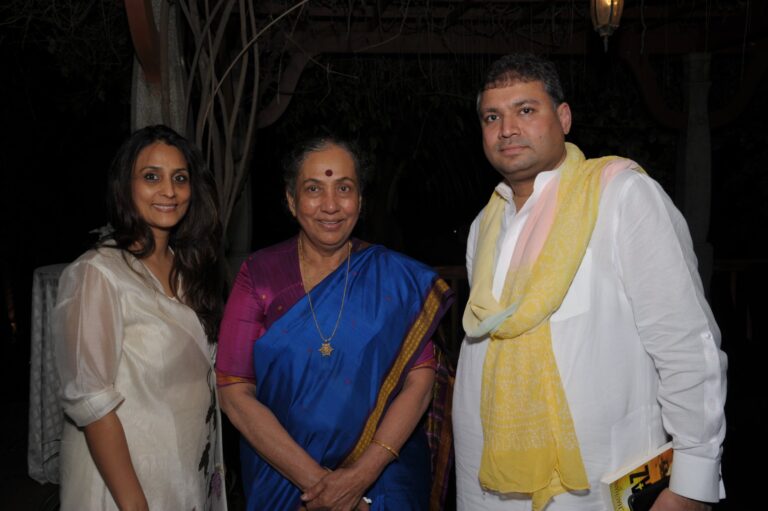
pixel 530 443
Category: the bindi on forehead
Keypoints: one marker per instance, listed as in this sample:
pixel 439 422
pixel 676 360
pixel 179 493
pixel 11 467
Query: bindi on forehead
pixel 328 172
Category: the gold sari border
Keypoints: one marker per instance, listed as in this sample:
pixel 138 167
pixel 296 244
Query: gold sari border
pixel 413 339
pixel 444 454
pixel 224 379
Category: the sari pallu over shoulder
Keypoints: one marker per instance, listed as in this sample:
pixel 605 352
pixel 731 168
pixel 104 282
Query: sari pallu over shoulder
pixel 332 405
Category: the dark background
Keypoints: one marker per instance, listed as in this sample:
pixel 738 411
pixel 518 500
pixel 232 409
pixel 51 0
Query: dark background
pixel 65 107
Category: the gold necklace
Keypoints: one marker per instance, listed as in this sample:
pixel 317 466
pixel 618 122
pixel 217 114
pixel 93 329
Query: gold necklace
pixel 325 348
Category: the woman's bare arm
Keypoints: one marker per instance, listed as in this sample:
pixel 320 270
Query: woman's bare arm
pixel 267 436
pixel 109 450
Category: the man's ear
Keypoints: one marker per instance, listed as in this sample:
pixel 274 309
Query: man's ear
pixel 564 114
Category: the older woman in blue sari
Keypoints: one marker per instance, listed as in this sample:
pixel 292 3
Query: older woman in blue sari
pixel 325 361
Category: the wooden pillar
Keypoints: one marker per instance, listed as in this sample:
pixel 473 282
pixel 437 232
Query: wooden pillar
pixel 694 184
pixel 239 236
pixel 157 91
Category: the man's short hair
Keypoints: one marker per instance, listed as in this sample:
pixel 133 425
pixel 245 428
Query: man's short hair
pixel 524 67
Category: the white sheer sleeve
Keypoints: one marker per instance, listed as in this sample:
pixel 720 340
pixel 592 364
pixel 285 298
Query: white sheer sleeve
pixel 88 327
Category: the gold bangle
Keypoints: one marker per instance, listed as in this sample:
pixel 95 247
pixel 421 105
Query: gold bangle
pixel 388 448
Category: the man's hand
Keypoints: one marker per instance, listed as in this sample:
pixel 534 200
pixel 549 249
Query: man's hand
pixel 671 501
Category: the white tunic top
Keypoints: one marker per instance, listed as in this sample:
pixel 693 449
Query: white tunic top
pixel 124 345
pixel 635 342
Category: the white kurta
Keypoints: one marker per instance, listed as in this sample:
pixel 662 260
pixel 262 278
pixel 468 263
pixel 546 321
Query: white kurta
pixel 635 342
pixel 124 345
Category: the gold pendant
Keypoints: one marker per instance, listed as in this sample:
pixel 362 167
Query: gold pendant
pixel 326 349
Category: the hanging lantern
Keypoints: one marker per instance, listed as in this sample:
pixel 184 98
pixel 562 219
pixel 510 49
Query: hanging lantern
pixel 606 15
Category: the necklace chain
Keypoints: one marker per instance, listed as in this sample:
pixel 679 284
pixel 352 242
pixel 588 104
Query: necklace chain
pixel 326 349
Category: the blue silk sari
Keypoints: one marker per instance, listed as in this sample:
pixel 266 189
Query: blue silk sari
pixel 331 406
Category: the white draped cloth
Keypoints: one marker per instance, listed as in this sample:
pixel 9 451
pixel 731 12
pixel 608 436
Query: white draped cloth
pixel 123 345
pixel 45 415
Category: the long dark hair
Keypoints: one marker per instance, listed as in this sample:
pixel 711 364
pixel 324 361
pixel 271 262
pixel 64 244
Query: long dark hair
pixel 195 240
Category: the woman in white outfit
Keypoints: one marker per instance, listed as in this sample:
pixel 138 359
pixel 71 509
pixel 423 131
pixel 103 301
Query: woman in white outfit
pixel 134 319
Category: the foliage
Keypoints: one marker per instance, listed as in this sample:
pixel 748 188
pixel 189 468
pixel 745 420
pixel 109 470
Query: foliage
pixel 610 117
pixel 417 117
pixel 86 42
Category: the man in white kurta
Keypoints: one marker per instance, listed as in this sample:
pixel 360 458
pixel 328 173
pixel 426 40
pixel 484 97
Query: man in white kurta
pixel 635 343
